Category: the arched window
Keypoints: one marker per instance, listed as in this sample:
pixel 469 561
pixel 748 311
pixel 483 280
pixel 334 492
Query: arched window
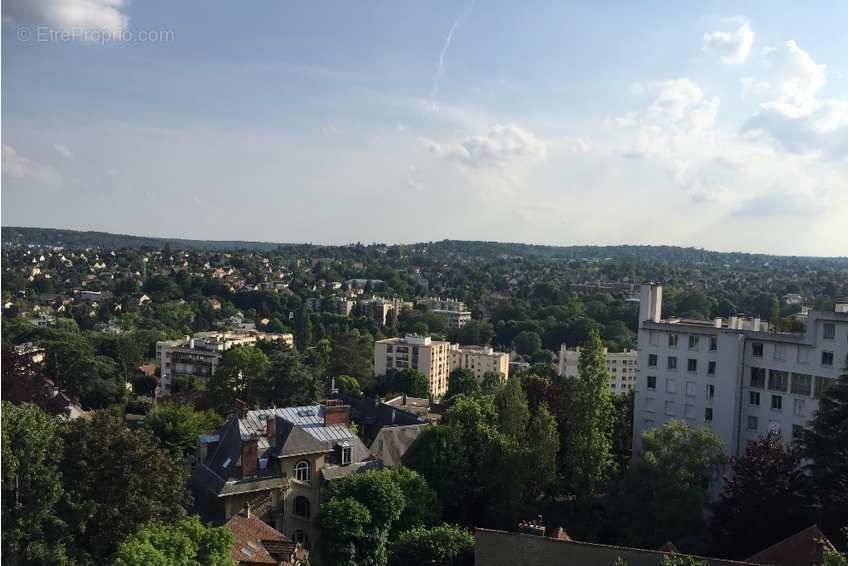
pixel 301 506
pixel 301 471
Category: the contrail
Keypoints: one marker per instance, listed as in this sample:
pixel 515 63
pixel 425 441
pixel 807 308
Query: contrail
pixel 460 20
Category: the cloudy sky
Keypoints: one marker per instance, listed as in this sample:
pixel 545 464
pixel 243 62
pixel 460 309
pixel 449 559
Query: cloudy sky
pixel 677 123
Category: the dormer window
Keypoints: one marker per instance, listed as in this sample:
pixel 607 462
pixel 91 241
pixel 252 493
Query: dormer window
pixel 344 453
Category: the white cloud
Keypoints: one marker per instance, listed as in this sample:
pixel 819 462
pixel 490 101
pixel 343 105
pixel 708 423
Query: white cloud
pixel 503 144
pixel 794 115
pixel 63 150
pixel 88 15
pixel 732 46
pixel 15 165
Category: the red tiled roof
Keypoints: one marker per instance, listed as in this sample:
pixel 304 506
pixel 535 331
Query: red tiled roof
pixel 250 533
pixel 801 549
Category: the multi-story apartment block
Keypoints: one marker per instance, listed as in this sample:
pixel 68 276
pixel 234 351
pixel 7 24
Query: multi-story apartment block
pixel 479 360
pixel 735 376
pixel 431 357
pixel 200 354
pixel 277 461
pixel 455 311
pixel 621 365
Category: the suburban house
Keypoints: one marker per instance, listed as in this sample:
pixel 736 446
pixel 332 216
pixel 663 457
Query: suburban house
pixel 277 461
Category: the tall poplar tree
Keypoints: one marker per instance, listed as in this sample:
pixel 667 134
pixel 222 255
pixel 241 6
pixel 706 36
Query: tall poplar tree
pixel 587 458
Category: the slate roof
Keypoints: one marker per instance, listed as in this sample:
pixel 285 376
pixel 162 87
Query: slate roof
pixel 801 549
pixel 392 442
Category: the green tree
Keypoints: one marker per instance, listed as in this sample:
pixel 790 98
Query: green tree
pixel 512 411
pixel 351 355
pixel 446 545
pixel 665 492
pixel 303 332
pixel 766 482
pixel 588 444
pixel 348 385
pixel 527 342
pixel 825 446
pixel 422 504
pixel 440 448
pixel 177 426
pixel 622 430
pixel 116 480
pixel 32 486
pixel 183 543
pixel 492 382
pixel 242 367
pixel 381 496
pixel 462 382
pixel 408 380
pixel 542 448
pixel 288 382
pixel 344 524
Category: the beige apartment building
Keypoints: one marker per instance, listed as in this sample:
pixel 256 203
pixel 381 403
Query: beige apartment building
pixel 622 367
pixel 430 357
pixel 479 360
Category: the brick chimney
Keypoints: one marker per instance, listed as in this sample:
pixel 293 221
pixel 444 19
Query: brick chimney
pixel 249 453
pixel 336 414
pixel 271 430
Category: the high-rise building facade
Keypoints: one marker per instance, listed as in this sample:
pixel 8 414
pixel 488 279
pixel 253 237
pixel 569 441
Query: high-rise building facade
pixel 430 357
pixel 622 367
pixel 479 360
pixel 734 375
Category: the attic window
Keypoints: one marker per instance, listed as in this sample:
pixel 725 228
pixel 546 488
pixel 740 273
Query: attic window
pixel 345 449
pixel 306 413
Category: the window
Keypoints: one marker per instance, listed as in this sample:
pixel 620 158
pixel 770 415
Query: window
pixel 777 402
pixel 802 384
pixel 713 343
pixel 797 431
pixel 757 349
pixel 827 358
pixel 821 383
pixel 780 352
pixel 778 380
pixel 346 451
pixel 711 365
pixel 752 423
pixel 708 414
pixel 803 355
pixel 689 411
pixel 691 365
pixel 754 398
pixel 301 471
pixel 799 407
pixel 669 408
pixel 389 348
pixel 650 405
pixel 690 388
pixel 654 339
pixel 670 385
pixel 758 377
pixel 693 342
pixel 652 360
pixel 652 382
pixel 829 331
pixel 672 362
pixel 710 391
pixel 301 506
pixel 672 340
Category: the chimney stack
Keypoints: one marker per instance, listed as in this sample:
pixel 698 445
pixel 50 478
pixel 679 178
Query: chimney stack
pixel 271 429
pixel 717 322
pixel 650 302
pixel 336 414
pixel 531 527
pixel 249 456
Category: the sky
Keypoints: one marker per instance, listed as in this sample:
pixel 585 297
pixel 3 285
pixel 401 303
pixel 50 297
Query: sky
pixel 721 125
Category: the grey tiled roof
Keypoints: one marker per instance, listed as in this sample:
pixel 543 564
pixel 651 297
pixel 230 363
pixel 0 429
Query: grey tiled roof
pixel 392 442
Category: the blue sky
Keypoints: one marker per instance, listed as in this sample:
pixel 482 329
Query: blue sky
pixel 714 124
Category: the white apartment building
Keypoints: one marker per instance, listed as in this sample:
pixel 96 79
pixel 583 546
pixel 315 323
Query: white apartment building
pixel 479 360
pixel 455 311
pixel 622 367
pixel 734 375
pixel 200 355
pixel 430 357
